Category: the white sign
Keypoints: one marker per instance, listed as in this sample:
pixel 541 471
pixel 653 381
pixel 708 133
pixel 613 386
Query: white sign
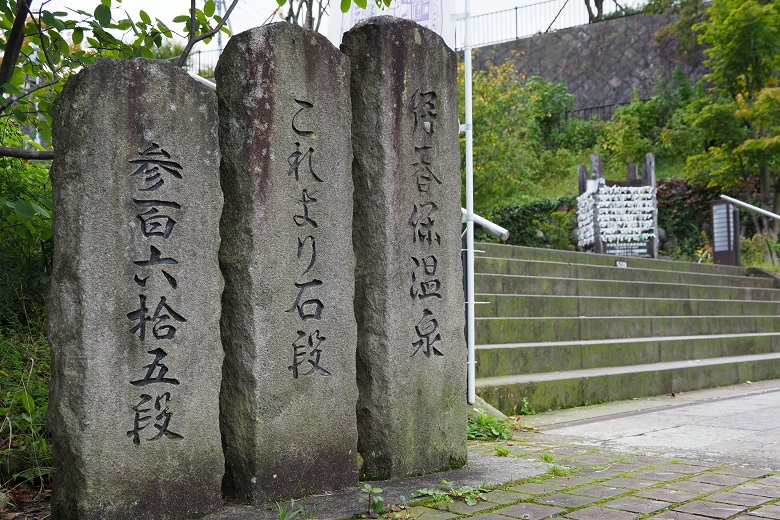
pixel 622 217
pixel 433 14
pixel 723 227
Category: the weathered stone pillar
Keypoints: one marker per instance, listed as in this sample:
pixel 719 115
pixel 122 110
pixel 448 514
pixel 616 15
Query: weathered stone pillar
pixel 133 310
pixel 289 392
pixel 409 294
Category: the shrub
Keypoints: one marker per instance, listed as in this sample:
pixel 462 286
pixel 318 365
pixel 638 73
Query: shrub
pixel 25 236
pixel 523 220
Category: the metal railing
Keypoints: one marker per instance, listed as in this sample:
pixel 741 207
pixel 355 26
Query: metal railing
pixel 201 63
pixel 528 20
pixel 602 112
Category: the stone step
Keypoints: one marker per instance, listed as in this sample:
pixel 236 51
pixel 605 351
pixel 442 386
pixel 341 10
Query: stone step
pixel 514 284
pixel 548 269
pixel 590 386
pixel 528 330
pixel 499 360
pixel 534 306
pixel 553 255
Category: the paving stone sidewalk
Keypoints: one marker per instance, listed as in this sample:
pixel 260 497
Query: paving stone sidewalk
pixel 612 485
pixel 575 468
pixel 569 481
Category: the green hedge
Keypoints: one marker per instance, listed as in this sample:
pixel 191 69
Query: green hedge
pixel 523 220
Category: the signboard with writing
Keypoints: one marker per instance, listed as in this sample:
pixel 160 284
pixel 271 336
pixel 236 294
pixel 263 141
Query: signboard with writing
pixel 725 233
pixel 618 218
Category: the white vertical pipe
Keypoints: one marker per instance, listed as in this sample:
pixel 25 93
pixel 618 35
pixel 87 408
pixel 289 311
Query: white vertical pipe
pixel 469 212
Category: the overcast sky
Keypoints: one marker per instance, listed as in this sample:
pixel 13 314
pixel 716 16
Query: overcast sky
pixel 252 13
pixel 249 13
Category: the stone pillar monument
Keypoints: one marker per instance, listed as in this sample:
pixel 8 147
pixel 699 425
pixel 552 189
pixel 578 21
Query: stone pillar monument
pixel 289 392
pixel 133 310
pixel 409 295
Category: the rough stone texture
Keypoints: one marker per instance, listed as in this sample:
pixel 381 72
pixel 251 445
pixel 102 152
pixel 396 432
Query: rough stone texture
pixel 106 324
pixel 289 391
pixel 602 63
pixel 411 348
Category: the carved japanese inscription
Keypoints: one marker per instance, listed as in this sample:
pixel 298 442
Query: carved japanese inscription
pixel 288 414
pixel 425 236
pixel 308 346
pixel 409 295
pixel 156 225
pixel 136 295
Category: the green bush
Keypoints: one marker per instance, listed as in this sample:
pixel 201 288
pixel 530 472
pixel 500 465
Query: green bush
pixel 25 264
pixel 25 453
pixel 622 141
pixel 516 122
pixel 523 220
pixel 558 229
pixel 25 236
pixel 684 211
pixel 578 134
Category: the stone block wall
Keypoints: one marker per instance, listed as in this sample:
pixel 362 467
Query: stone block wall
pixel 602 63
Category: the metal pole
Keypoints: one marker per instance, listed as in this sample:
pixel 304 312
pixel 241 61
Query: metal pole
pixel 219 34
pixel 471 362
pixel 488 226
pixel 203 81
pixel 748 206
pixel 556 16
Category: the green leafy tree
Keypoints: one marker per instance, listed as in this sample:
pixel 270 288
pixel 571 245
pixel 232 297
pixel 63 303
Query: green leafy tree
pixel 680 31
pixel 42 47
pixel 622 140
pixel 744 41
pixel 744 53
pixel 517 122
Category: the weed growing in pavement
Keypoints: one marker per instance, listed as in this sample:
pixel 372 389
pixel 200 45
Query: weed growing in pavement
pixel 501 451
pixel 375 504
pixel 486 427
pixel 285 512
pixel 526 408
pixel 558 471
pixel 547 457
pixel 470 495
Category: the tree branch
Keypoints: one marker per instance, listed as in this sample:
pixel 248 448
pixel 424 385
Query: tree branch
pixel 309 14
pixel 13 99
pixel 298 13
pixel 193 39
pixel 291 16
pixel 43 39
pixel 14 43
pixel 322 9
pixel 21 153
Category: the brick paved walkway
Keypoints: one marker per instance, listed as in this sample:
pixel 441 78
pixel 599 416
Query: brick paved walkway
pixel 698 456
pixel 602 484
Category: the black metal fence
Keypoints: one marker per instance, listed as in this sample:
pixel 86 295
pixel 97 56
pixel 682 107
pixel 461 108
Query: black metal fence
pixel 528 20
pixel 602 112
pixel 201 63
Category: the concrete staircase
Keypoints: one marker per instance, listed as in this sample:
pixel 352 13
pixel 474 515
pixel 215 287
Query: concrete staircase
pixel 565 329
